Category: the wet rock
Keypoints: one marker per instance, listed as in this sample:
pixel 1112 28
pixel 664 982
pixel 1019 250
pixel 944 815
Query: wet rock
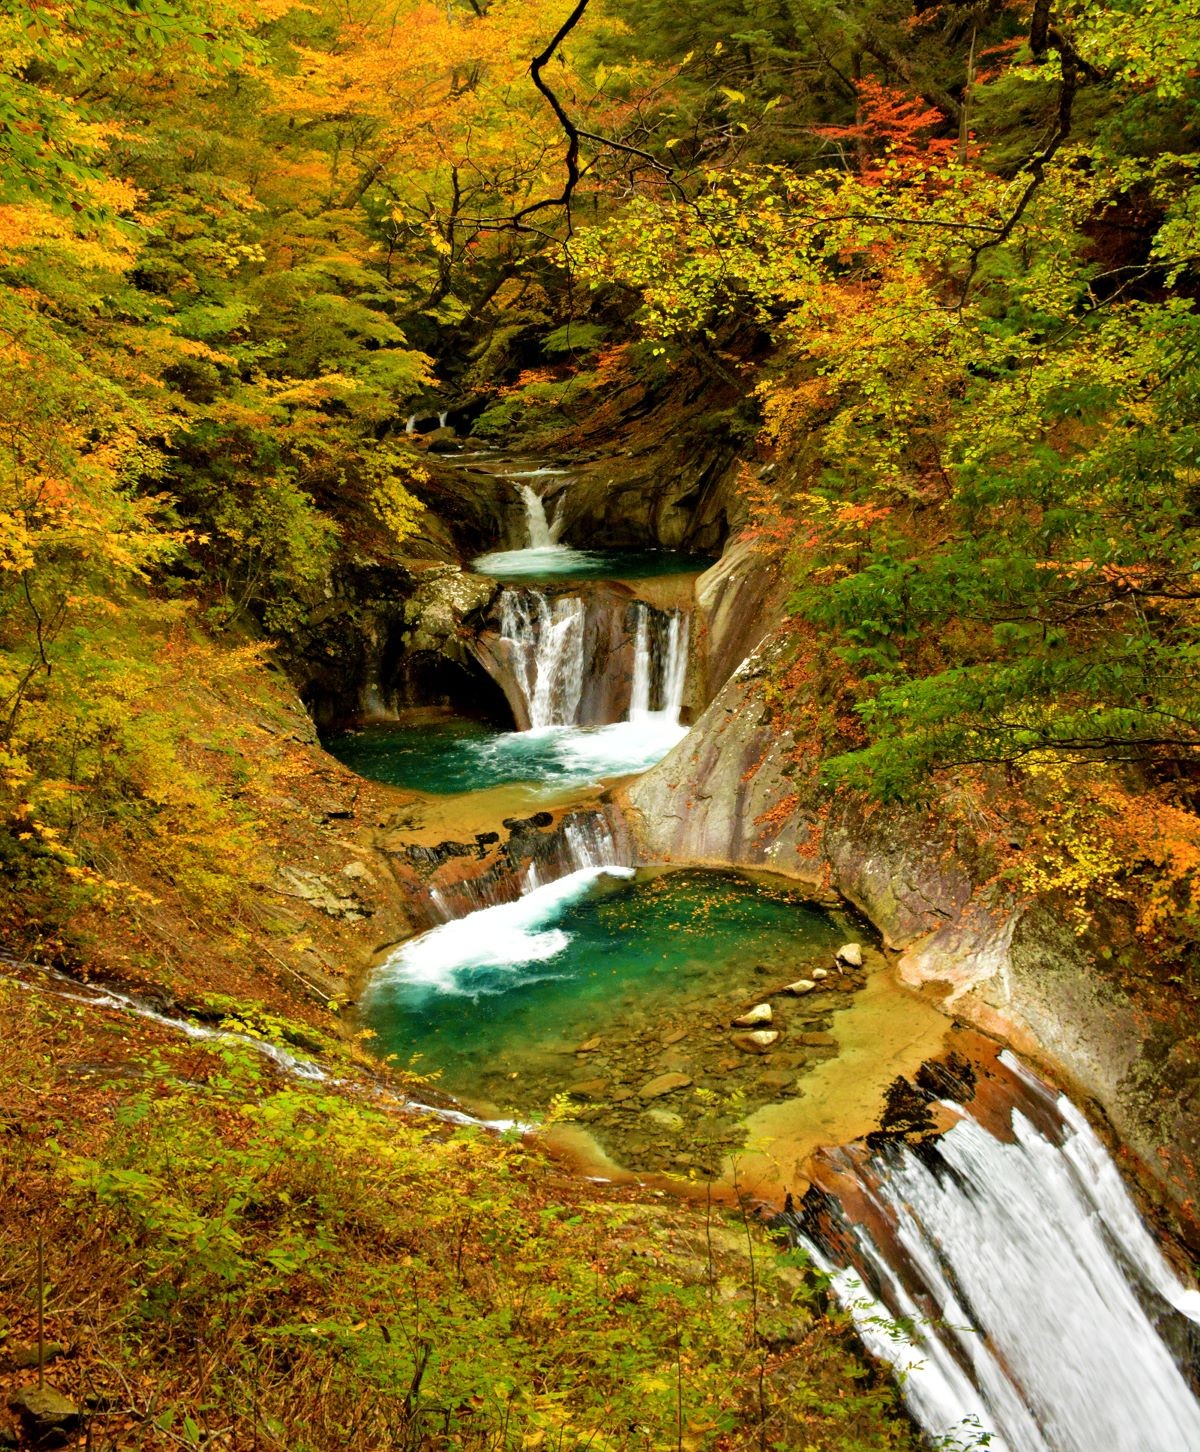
pixel 777 1078
pixel 671 1061
pixel 819 973
pixel 818 1041
pixel 619 1096
pixel 850 954
pixel 435 612
pixel 801 985
pixel 47 1417
pixel 753 1018
pixel 674 1037
pixel 589 1045
pixel 589 1089
pixel 664 1084
pixel 526 824
pixel 757 1042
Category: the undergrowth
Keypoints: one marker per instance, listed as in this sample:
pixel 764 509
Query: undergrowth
pixel 239 1260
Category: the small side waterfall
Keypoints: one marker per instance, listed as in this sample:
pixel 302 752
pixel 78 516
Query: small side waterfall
pixel 589 844
pixel 1004 1272
pixel 411 426
pixel 660 657
pixel 583 841
pixel 443 418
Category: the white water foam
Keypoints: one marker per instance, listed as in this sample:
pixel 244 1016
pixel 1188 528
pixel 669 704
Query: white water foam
pixel 558 756
pixel 1041 1272
pixel 508 938
pixel 556 559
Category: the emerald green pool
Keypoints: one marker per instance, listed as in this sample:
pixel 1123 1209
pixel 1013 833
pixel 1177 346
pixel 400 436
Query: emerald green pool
pixel 498 1002
pixel 449 754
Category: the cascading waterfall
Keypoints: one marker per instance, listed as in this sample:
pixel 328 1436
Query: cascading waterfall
pixel 545 643
pixel 411 426
pixel 1014 1287
pixel 500 922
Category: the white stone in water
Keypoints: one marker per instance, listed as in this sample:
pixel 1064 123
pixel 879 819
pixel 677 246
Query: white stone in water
pixel 820 973
pixel 801 985
pixel 759 1014
pixel 850 954
pixel 757 1042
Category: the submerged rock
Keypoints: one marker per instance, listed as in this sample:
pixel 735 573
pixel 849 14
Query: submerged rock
pixel 757 1042
pixel 665 1119
pixel 761 1013
pixel 664 1084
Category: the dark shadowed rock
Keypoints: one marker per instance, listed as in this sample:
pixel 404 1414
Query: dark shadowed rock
pixel 47 1418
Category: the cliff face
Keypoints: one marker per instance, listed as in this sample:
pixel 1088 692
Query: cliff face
pixel 727 795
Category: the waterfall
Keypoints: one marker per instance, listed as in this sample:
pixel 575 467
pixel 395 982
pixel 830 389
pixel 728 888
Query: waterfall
pixel 588 845
pixel 508 918
pixel 1013 1286
pixel 442 417
pixel 643 662
pixel 544 639
pixel 660 659
pixel 543 534
pixel 552 644
pixel 411 426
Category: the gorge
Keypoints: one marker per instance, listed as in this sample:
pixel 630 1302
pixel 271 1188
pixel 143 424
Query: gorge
pixel 599 729
pixel 607 967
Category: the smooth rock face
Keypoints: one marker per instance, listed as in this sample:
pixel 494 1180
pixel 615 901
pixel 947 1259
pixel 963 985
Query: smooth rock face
pixel 757 1042
pixel 664 1084
pixel 819 973
pixel 47 1416
pixel 850 954
pixel 801 985
pixel 754 1017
